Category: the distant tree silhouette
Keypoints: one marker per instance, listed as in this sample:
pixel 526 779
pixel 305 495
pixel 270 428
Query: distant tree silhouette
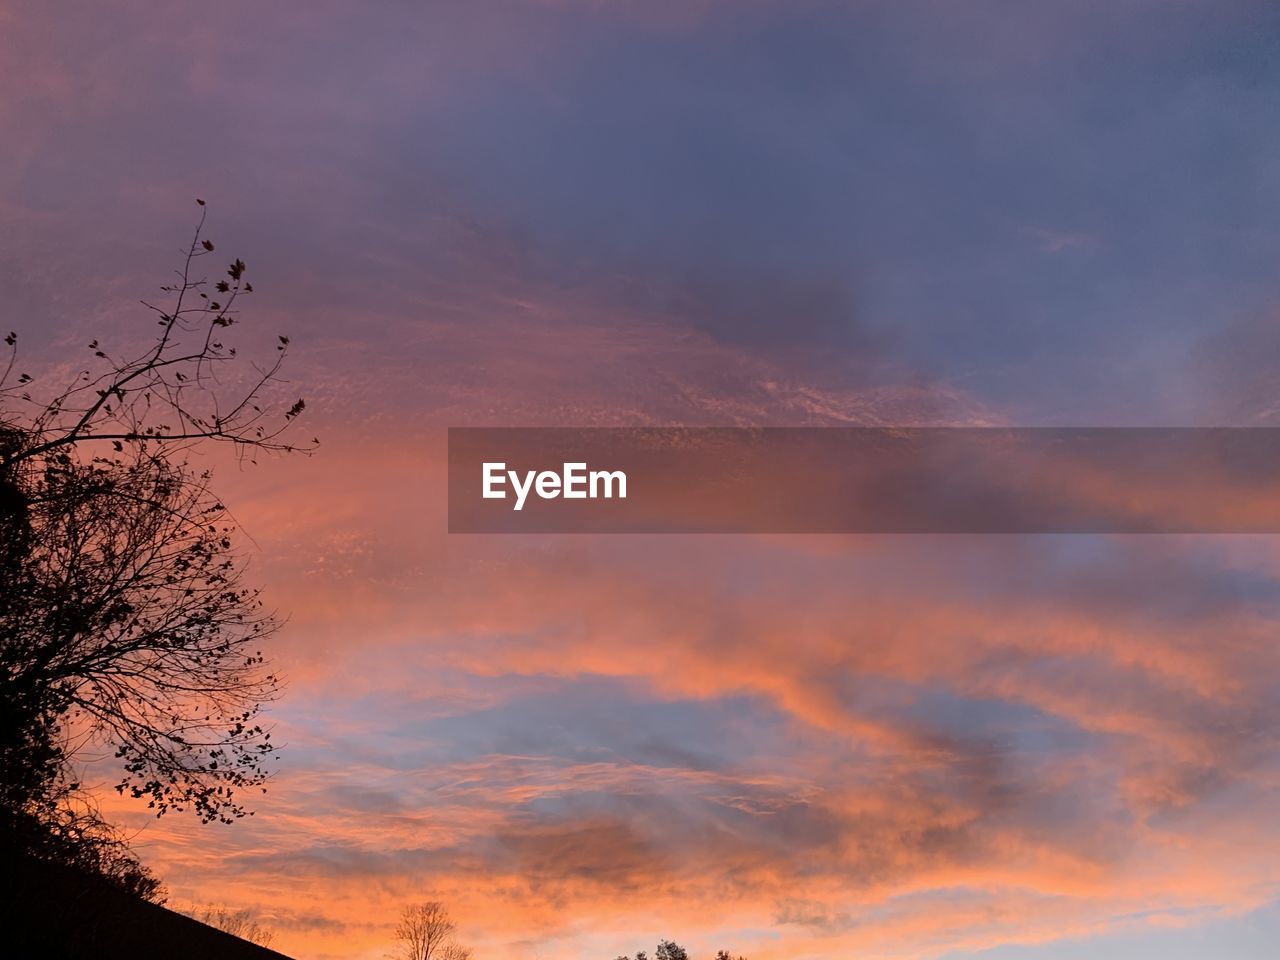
pixel 238 923
pixel 124 619
pixel 427 932
pixel 670 950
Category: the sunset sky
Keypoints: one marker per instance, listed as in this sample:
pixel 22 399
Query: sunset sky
pixel 705 212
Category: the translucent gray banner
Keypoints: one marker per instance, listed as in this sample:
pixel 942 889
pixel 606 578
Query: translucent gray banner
pixel 864 480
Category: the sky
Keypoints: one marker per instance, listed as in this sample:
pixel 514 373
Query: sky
pixel 583 212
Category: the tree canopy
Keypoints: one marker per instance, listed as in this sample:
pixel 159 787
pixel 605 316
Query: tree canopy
pixel 125 618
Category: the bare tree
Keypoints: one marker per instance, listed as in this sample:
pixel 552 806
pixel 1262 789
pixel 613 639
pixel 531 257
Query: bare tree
pixel 170 394
pixel 125 620
pixel 427 932
pixel 239 923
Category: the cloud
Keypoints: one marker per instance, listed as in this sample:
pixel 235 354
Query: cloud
pixel 600 214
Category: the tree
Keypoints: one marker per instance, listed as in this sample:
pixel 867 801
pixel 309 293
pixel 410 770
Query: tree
pixel 125 620
pixel 238 923
pixel 427 932
pixel 670 950
pixel 62 826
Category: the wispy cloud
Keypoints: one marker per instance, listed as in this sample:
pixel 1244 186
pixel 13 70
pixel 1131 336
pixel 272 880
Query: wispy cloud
pixel 714 214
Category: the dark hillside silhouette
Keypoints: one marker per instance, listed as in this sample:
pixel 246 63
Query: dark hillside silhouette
pixel 52 912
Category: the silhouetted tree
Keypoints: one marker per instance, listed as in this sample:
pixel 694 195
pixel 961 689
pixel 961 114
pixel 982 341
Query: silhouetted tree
pixel 238 923
pixel 670 950
pixel 124 618
pixel 427 932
